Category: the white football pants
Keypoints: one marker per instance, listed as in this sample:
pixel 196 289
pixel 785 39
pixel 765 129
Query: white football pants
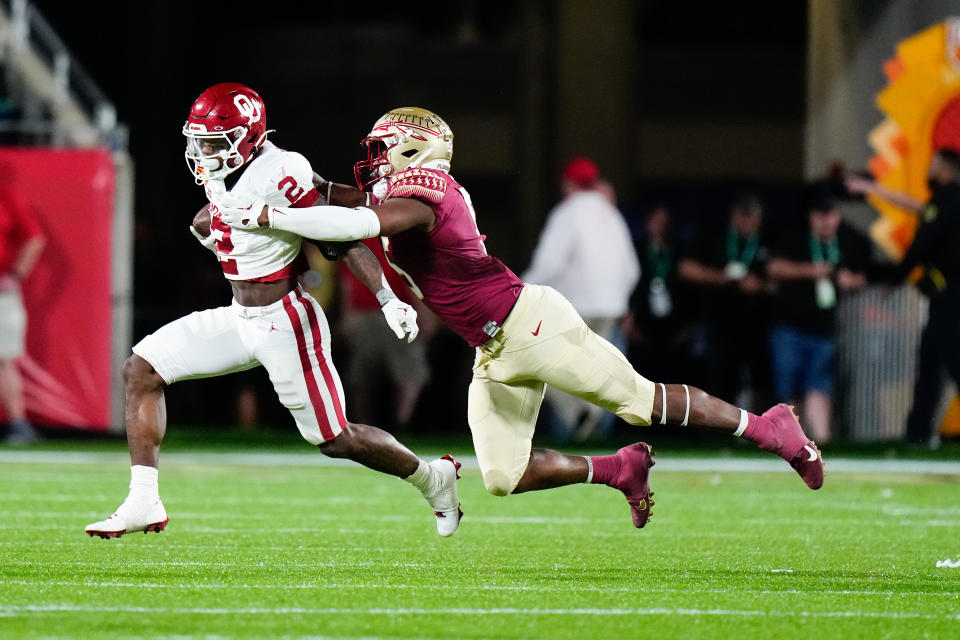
pixel 290 338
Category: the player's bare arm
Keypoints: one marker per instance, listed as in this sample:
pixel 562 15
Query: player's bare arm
pixel 400 214
pixel 364 265
pixel 338 194
pixel 400 317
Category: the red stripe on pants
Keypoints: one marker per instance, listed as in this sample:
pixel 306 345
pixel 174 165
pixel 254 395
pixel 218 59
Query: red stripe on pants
pixel 324 369
pixel 318 407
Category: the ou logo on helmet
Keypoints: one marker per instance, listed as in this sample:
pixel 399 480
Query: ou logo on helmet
pixel 248 108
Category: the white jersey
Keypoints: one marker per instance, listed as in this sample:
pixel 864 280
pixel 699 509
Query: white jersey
pixel 281 179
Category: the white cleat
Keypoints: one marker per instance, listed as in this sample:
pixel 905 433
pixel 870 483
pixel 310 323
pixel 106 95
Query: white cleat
pixel 131 516
pixel 444 500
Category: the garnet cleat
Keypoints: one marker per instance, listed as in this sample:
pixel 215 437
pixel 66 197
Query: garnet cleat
pixel 788 441
pixel 131 516
pixel 633 480
pixel 444 499
pixel 156 527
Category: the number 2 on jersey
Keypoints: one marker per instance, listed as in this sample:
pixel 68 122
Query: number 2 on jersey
pixel 222 233
pixel 293 192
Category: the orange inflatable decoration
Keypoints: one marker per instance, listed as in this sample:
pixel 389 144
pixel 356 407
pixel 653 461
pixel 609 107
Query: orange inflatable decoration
pixel 922 105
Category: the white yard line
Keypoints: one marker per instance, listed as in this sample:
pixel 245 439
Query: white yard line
pixel 664 463
pixel 448 587
pixel 466 611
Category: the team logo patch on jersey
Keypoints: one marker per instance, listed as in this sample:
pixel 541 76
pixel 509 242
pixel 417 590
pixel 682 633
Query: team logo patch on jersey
pixel 418 183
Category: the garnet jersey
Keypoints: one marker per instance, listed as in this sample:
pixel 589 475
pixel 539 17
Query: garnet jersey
pixel 448 266
pixel 281 179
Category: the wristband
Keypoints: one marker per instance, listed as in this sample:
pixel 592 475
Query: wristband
pixel 384 296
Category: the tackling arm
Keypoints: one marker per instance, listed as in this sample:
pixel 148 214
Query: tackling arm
pixel 335 223
pixel 365 266
pixel 340 194
pixel 400 317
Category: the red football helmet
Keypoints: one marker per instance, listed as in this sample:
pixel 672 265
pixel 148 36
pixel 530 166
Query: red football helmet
pixel 226 125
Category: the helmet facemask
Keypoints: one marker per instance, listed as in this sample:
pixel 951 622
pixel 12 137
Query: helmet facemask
pixel 214 156
pixel 405 138
pixel 377 164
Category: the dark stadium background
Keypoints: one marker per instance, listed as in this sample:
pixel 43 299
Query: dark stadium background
pixel 673 108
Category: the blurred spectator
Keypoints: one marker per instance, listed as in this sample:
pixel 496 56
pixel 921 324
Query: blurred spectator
pixel 21 243
pixel 933 248
pixel 585 252
pixel 812 266
pixel 375 351
pixel 730 268
pixel 655 324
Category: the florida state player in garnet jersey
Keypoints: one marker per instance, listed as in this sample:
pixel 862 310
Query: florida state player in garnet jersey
pixel 526 336
pixel 272 320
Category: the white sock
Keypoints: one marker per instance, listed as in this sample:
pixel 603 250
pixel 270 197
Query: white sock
pixel 744 420
pixel 422 478
pixel 143 482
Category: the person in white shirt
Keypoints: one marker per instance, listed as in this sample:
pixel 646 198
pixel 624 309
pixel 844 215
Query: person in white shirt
pixel 585 252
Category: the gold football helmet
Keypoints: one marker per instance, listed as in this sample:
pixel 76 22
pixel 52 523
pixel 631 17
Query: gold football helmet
pixel 404 138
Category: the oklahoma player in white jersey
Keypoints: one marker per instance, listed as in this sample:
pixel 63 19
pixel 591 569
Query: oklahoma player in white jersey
pixel 526 336
pixel 272 321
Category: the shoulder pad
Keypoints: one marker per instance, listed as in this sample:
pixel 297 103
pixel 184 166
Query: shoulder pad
pixel 417 183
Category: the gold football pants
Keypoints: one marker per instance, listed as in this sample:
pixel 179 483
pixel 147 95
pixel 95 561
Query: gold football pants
pixel 543 341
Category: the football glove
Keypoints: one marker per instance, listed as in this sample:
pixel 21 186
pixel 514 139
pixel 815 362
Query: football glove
pixel 209 242
pixel 401 317
pixel 240 210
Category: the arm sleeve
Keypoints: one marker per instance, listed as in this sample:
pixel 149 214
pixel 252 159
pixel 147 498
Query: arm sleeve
pixel 338 224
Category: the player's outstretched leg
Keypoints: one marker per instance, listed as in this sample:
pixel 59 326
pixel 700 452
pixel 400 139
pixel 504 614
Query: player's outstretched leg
pixel 628 470
pixel 777 430
pixel 378 450
pixel 146 420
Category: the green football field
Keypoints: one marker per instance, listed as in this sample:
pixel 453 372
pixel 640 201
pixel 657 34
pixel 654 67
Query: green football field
pixel 263 547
